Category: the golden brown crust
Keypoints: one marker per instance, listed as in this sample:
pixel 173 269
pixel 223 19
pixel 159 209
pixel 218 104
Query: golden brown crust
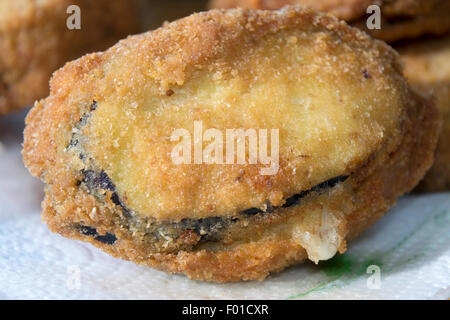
pixel 35 41
pixel 209 40
pixel 400 19
pixel 171 56
pixel 427 67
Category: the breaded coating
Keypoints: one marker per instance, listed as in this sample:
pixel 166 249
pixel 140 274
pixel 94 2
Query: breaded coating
pixel 400 19
pixel 427 67
pixel 35 41
pixel 353 137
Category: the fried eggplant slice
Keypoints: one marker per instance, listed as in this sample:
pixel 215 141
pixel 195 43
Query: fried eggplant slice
pixel 353 137
pixel 400 19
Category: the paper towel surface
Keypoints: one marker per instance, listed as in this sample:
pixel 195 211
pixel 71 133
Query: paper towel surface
pixel 406 255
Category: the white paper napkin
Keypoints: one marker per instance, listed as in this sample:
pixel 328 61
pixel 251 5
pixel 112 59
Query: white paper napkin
pixel 405 256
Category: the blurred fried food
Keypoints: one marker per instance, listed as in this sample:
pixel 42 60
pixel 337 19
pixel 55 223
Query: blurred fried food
pixel 400 19
pixel 427 67
pixel 35 41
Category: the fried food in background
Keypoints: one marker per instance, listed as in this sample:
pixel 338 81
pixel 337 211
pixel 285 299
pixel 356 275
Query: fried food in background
pixel 153 13
pixel 343 9
pixel 400 19
pixel 353 138
pixel 35 41
pixel 409 19
pixel 427 67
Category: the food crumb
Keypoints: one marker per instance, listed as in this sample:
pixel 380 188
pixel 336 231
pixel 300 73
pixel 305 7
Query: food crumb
pixel 366 74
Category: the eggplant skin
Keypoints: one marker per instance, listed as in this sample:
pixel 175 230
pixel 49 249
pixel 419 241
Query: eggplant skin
pixel 353 138
pixel 108 238
pixel 208 229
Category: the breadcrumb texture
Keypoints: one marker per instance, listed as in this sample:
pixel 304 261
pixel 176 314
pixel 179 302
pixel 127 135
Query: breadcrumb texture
pixel 337 96
pixel 400 19
pixel 427 67
pixel 35 41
